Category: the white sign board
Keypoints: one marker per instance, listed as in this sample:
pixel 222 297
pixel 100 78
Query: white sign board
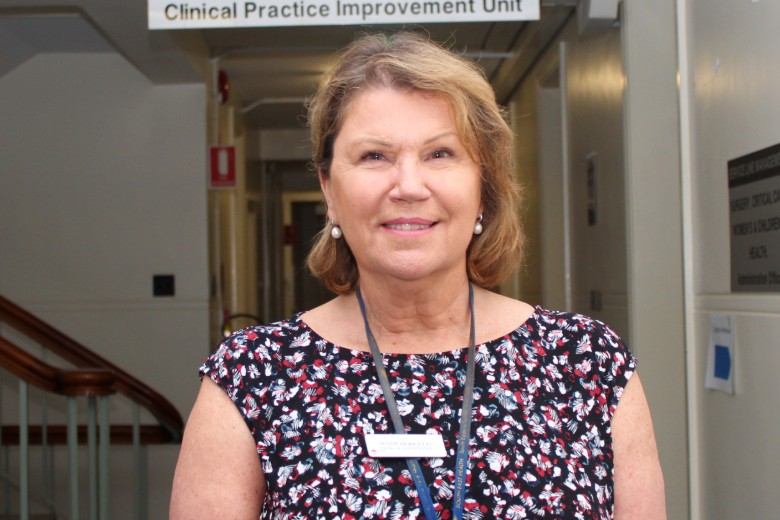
pixel 754 202
pixel 212 14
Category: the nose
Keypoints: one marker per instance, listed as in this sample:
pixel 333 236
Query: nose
pixel 410 181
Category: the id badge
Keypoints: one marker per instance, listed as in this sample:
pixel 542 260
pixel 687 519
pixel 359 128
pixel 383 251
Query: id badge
pixel 412 445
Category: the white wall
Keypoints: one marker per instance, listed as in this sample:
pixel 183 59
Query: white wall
pixel 735 110
pixel 102 185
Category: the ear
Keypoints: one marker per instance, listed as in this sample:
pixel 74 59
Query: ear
pixel 325 187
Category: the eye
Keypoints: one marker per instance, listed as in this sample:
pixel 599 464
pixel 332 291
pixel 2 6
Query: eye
pixel 372 156
pixel 442 153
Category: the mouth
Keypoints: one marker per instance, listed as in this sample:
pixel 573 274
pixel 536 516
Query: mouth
pixel 408 226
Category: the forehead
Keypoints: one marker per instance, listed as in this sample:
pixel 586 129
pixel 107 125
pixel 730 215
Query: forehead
pixel 395 111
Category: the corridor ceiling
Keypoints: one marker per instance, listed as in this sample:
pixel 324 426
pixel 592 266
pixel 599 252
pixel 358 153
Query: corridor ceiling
pixel 270 70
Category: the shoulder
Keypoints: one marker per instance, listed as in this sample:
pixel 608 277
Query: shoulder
pixel 498 315
pixel 249 362
pixel 571 325
pixel 586 344
pixel 256 344
pixel 338 321
pixel 217 448
pixel 269 335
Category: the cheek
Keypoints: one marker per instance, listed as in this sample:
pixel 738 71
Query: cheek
pixel 338 194
pixel 469 198
pixel 352 205
pixel 357 192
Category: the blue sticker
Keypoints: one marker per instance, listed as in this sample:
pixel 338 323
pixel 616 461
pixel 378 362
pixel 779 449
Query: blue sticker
pixel 722 362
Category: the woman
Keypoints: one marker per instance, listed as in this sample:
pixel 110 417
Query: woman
pixel 301 418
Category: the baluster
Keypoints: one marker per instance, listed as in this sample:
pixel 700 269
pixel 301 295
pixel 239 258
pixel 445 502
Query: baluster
pixel 92 456
pixel 47 454
pixel 73 456
pixel 6 463
pixel 103 458
pixel 7 481
pixel 24 451
pixel 140 482
pixel 47 451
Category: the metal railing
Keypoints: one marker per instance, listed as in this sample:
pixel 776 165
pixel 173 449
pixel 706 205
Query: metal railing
pixel 72 411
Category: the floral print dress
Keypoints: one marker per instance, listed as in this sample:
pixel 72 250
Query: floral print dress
pixel 540 445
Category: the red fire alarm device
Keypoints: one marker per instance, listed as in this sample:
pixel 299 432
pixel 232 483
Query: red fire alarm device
pixel 223 167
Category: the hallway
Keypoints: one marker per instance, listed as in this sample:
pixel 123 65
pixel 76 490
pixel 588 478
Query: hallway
pixel 623 140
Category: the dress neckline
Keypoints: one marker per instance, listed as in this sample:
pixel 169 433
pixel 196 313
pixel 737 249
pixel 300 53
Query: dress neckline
pixel 456 352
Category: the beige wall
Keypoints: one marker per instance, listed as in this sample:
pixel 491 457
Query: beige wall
pixel 733 108
pixel 524 120
pixel 103 186
pixel 593 94
pixel 594 91
pixel 655 232
pixel 620 103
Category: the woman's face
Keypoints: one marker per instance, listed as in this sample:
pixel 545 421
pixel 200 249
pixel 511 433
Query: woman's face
pixel 402 186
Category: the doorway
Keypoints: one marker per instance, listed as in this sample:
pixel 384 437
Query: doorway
pixel 303 218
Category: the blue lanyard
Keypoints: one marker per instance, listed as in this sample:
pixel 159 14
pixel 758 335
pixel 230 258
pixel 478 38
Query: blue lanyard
pixel 462 457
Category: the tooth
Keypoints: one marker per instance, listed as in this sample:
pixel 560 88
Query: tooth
pixel 408 227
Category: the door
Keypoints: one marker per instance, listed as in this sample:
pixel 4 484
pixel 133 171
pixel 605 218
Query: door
pixel 308 218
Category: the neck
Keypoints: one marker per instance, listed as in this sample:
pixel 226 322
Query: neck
pixel 418 318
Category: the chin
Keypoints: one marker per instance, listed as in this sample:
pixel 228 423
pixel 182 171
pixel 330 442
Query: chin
pixel 412 266
pixel 413 272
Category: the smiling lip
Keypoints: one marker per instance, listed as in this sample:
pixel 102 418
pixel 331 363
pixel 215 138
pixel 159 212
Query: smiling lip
pixel 413 224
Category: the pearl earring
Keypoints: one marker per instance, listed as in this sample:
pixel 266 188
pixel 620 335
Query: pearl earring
pixel 335 231
pixel 478 225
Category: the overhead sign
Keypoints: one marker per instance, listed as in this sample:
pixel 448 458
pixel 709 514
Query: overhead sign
pixel 212 14
pixel 754 201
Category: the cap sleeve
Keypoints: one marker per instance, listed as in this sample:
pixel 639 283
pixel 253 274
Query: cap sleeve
pixel 237 367
pixel 615 365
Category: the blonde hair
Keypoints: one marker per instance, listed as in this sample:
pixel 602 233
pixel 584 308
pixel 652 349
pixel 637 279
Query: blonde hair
pixel 408 61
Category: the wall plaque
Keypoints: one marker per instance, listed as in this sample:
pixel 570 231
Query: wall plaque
pixel 754 203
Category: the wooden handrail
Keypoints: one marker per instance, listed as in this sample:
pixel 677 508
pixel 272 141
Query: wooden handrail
pixel 57 435
pixel 79 382
pixel 81 357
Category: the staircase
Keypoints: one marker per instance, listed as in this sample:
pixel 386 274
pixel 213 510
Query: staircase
pixel 67 414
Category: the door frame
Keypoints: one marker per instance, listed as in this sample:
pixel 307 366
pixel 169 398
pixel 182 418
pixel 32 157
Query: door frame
pixel 288 269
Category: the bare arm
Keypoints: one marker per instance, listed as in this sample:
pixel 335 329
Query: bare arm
pixel 218 474
pixel 639 484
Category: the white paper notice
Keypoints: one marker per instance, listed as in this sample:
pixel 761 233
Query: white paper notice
pixel 720 355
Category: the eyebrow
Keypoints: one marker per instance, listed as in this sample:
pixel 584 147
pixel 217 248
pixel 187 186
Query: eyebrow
pixel 370 140
pixel 446 133
pixel 382 142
